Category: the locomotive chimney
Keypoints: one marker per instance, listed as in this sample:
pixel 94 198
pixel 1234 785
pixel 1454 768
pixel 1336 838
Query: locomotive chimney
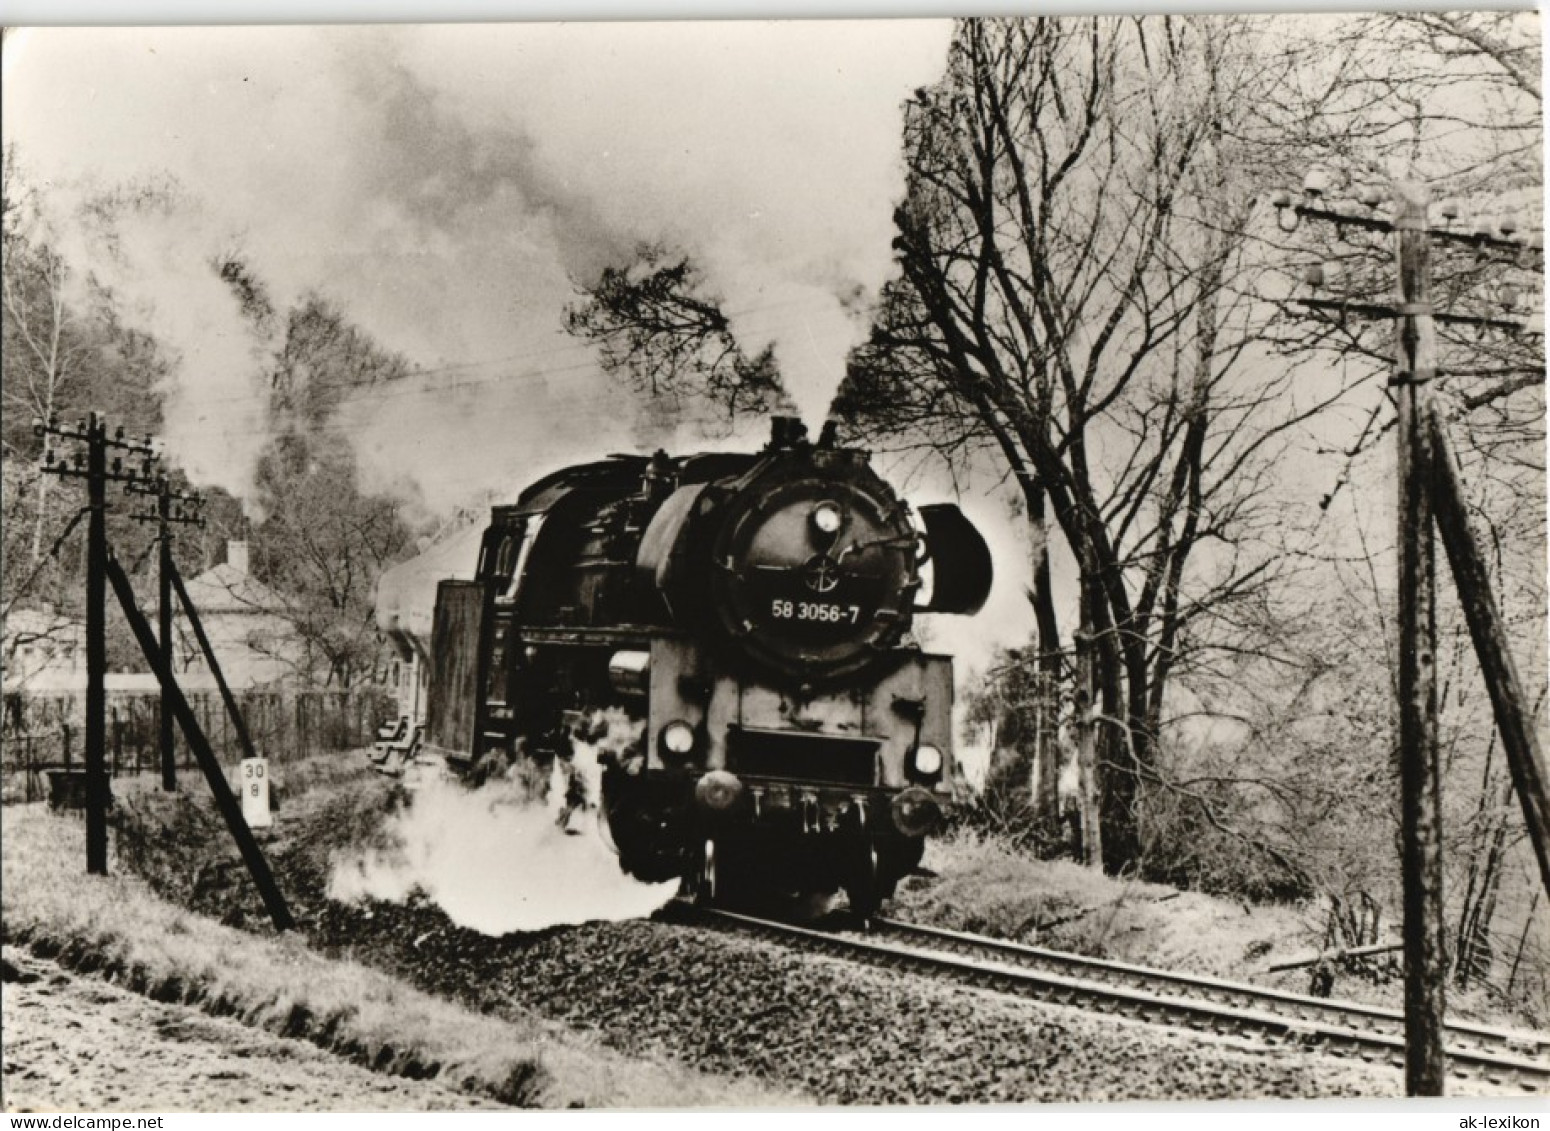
pixel 786 432
pixel 654 481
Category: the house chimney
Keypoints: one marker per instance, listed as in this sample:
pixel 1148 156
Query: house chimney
pixel 237 556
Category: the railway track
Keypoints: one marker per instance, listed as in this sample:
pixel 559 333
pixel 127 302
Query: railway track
pixel 1503 1058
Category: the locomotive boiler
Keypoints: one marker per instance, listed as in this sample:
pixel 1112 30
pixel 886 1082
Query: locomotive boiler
pixel 740 626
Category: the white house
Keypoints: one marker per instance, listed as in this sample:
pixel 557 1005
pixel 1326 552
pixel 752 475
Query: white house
pixel 253 641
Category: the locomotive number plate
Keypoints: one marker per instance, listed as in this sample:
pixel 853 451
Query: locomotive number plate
pixel 818 612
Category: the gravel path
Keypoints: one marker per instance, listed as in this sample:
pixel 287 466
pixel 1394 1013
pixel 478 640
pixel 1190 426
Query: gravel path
pixel 77 1043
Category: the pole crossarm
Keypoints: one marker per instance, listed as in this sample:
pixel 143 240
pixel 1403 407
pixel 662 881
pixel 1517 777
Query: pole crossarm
pixel 93 432
pixel 1374 223
pixel 1379 310
pixel 171 506
pixel 85 430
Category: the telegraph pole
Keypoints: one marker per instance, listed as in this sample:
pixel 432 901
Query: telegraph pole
pixel 92 465
pixel 96 651
pixel 1428 493
pixel 1419 776
pixel 171 507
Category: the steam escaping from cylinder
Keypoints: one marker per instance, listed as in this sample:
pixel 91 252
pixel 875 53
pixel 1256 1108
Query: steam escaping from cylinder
pixel 511 855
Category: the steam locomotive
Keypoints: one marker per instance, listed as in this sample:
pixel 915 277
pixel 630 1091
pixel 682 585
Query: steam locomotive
pixel 740 626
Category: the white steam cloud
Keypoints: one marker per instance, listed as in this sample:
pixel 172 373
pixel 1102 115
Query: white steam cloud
pixel 497 859
pixel 154 250
pixel 448 187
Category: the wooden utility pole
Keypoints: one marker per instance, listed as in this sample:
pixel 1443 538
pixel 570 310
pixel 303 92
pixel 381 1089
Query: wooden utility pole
pixel 1514 713
pixel 225 801
pixel 92 465
pixel 97 790
pixel 171 506
pixel 169 757
pixel 1429 490
pixel 1420 787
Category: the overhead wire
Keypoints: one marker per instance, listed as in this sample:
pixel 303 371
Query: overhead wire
pixel 480 363
pixel 387 390
pixel 343 427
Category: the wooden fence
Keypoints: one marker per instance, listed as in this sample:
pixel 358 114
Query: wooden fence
pixel 39 732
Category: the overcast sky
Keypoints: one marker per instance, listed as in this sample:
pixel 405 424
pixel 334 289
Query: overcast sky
pixel 448 186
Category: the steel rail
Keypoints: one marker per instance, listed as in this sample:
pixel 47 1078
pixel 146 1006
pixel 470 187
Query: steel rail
pixel 1175 1000
pixel 1468 1035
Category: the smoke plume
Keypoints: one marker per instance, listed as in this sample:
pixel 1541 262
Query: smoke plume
pixel 153 250
pixel 450 187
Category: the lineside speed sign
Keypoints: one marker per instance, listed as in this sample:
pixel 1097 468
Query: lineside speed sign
pixel 255 793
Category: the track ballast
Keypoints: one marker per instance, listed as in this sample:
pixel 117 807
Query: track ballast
pixel 1499 1057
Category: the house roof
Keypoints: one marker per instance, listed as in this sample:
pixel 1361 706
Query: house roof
pixel 229 589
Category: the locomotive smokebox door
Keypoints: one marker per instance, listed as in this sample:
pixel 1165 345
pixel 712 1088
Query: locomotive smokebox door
pixel 812 572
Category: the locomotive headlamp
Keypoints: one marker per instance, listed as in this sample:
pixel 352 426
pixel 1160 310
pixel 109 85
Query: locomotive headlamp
pixel 678 738
pixel 826 518
pixel 928 760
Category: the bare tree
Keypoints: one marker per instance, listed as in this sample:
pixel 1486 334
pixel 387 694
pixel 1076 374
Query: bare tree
pixel 65 351
pixel 1077 295
pixel 656 325
pixel 323 541
pixel 44 349
pixel 322 547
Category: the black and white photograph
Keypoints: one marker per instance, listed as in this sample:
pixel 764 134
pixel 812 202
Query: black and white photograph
pixel 705 564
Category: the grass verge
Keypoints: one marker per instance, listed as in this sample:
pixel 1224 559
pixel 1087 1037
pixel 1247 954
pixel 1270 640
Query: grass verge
pixel 981 886
pixel 117 928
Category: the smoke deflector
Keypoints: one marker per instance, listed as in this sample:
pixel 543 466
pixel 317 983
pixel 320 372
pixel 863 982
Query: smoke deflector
pixel 961 568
